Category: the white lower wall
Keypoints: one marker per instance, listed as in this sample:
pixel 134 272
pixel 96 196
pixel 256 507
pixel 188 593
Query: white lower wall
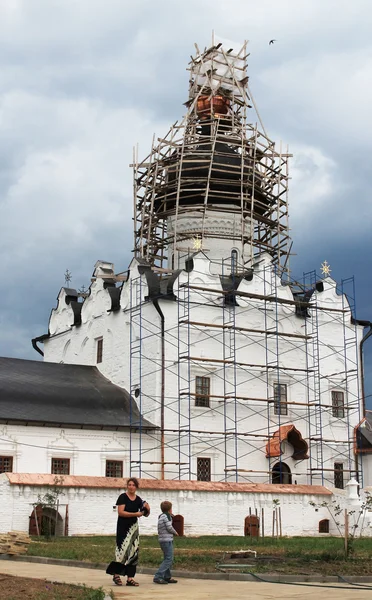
pixel 205 513
pixel 7 498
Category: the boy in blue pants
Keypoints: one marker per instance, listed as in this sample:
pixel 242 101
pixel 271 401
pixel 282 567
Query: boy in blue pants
pixel 165 536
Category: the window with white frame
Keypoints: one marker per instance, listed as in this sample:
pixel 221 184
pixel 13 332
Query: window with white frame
pixel 338 404
pixel 6 464
pixel 280 399
pixel 202 391
pixel 60 466
pixel 114 468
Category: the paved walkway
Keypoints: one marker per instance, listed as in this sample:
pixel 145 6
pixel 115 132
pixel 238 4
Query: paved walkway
pixel 197 589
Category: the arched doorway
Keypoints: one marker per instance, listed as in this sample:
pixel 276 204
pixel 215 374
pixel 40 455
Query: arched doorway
pixel 178 524
pixel 281 473
pixel 46 521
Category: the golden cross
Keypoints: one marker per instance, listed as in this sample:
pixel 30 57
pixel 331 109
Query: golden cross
pixel 325 268
pixel 197 243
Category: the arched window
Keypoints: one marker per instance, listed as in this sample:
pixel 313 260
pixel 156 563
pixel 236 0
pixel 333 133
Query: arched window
pixel 281 473
pixel 324 526
pixel 234 262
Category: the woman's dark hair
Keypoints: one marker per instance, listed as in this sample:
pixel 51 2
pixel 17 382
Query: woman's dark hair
pixel 133 480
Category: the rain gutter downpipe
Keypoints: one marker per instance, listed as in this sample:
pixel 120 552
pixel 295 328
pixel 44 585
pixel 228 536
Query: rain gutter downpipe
pixel 155 302
pixel 364 339
pixel 41 339
pixel 361 358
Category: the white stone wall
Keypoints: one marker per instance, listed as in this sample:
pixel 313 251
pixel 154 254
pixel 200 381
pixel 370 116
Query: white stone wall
pixel 222 232
pixel 7 497
pixel 91 511
pixel 132 358
pixel 33 448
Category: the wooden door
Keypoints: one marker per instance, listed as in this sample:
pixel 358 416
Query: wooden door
pixel 178 523
pixel 35 521
pixel 252 526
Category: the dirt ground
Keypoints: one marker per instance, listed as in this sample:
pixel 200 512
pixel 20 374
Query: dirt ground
pixel 16 588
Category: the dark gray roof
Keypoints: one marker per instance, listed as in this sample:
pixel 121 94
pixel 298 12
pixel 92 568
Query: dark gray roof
pixel 64 395
pixel 70 292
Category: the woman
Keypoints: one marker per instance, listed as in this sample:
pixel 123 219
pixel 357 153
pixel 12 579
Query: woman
pixel 130 508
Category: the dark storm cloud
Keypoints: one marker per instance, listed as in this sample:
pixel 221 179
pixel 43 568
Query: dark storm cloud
pixel 82 81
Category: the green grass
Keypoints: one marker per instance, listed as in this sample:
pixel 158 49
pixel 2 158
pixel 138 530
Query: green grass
pixel 79 593
pixel 289 555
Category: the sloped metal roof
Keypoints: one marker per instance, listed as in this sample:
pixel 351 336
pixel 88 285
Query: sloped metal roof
pixel 64 395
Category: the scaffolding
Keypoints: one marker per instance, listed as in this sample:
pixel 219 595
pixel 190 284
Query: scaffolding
pixel 214 159
pixel 277 363
pixel 215 348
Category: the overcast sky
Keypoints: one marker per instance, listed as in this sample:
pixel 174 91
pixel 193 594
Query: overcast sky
pixel 82 81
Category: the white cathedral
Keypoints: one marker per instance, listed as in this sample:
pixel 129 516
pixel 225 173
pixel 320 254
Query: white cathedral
pixel 204 369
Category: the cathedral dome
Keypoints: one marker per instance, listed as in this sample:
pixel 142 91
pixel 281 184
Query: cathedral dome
pixel 215 169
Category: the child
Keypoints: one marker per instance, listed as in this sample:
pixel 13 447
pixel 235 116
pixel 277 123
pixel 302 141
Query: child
pixel 165 536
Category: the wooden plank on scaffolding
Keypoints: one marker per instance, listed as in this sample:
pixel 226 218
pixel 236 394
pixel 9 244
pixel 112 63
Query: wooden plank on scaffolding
pixel 334 470
pixel 263 297
pixel 241 364
pixel 245 329
pixel 159 462
pixel 224 433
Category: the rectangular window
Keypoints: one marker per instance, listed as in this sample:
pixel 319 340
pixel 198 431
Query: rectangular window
pixel 114 468
pixel 202 391
pixel 280 399
pixel 339 475
pixel 99 350
pixel 6 464
pixel 338 404
pixel 61 466
pixel 203 469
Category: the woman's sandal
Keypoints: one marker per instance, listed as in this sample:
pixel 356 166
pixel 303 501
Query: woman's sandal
pixel 116 579
pixel 132 583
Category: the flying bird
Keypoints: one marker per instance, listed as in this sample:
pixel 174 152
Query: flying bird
pixel 271 42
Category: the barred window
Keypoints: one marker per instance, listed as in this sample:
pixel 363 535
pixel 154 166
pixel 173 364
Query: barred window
pixel 280 399
pixel 339 475
pixel 202 391
pixel 203 469
pixel 114 468
pixel 99 350
pixel 6 464
pixel 60 466
pixel 338 404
